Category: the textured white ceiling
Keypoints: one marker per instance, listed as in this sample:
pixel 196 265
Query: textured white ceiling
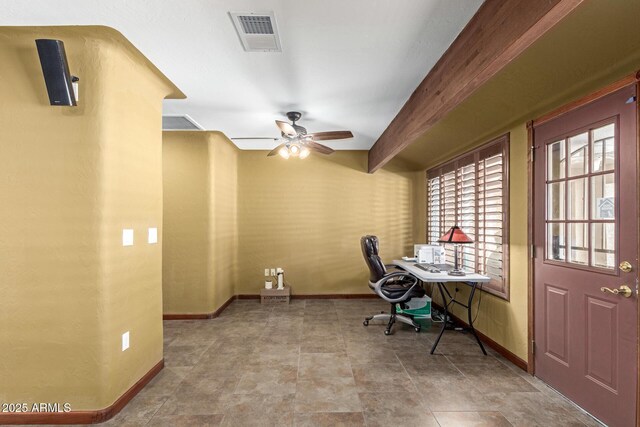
pixel 346 64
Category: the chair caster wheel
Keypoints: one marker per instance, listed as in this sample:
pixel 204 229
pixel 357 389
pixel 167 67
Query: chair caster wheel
pixel 417 329
pixel 387 332
pixel 365 323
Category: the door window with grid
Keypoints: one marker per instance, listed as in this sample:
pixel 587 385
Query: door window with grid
pixel 581 198
pixel 471 192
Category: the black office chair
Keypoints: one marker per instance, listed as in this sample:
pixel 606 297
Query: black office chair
pixel 394 287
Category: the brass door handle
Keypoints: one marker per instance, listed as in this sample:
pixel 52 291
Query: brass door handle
pixel 623 290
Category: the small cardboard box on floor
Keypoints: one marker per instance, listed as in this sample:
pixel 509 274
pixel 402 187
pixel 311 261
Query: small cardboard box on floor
pixel 275 296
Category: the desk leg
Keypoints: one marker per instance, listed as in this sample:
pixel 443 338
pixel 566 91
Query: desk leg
pixel 473 330
pixel 444 321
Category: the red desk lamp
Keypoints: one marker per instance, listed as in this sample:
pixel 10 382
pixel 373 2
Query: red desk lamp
pixel 456 236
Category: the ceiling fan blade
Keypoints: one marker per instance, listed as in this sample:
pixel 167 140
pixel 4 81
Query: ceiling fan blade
pixel 336 134
pixel 312 145
pixel 256 137
pixel 286 128
pixel 275 150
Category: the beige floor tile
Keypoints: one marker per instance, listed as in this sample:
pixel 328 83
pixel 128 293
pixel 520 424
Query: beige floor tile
pixel 495 379
pixel 316 329
pixel 195 336
pixel 236 346
pixel 447 346
pixel 283 354
pixel 328 395
pixel 187 421
pixel 138 412
pixel 283 338
pixel 166 382
pixel 259 410
pixel 401 409
pixel 222 366
pixel 534 409
pixel 377 345
pixel 372 354
pixel 183 355
pixel 382 377
pixel 193 403
pixel 207 383
pixel 471 419
pixel 275 380
pixel 333 344
pixel 453 392
pixel 427 365
pixel 275 349
pixel 323 365
pixel 329 419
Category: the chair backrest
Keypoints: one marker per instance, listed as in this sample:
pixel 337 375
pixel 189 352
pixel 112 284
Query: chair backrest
pixel 376 245
pixel 370 246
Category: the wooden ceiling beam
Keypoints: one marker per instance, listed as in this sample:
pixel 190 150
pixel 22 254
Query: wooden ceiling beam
pixel 498 32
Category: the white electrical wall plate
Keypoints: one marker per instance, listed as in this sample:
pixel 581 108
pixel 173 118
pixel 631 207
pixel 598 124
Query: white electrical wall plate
pixel 125 341
pixel 127 237
pixel 153 236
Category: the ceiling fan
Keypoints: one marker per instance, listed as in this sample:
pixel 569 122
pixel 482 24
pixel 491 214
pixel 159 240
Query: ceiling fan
pixel 296 142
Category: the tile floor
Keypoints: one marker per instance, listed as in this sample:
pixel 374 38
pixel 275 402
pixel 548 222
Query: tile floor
pixel 313 363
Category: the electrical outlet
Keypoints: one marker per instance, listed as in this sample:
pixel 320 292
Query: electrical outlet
pixel 273 271
pixel 266 272
pixel 125 341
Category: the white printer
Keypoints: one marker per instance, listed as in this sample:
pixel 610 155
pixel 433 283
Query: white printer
pixel 429 254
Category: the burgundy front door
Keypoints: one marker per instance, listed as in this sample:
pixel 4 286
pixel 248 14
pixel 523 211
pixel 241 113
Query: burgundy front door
pixel 585 226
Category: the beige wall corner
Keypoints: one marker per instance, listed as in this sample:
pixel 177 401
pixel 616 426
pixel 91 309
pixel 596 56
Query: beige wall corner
pixel 131 196
pixel 200 221
pixel 71 178
pixel 307 217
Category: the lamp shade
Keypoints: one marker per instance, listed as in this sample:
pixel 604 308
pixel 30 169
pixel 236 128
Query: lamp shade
pixel 455 235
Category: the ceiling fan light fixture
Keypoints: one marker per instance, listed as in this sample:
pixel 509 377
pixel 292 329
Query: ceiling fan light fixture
pixel 284 152
pixel 296 142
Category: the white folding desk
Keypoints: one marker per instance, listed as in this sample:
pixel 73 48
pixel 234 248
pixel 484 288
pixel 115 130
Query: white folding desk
pixel 472 280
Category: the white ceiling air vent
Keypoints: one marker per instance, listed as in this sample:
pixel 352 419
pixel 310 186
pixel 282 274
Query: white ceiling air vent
pixel 179 123
pixel 257 31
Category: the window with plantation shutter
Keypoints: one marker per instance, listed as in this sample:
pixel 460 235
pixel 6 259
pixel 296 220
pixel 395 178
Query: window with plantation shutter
pixel 472 192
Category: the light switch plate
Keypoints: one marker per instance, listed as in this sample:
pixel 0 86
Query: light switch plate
pixel 266 272
pixel 273 271
pixel 127 237
pixel 153 236
pixel 125 341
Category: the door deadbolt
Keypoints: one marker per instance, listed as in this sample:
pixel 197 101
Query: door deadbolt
pixel 625 266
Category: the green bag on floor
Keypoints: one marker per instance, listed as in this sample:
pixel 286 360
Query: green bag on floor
pixel 419 308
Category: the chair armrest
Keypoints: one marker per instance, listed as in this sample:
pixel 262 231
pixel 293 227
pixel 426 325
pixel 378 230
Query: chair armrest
pixel 377 286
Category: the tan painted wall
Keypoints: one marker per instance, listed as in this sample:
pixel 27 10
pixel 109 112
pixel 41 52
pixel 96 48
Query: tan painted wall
pixel 307 216
pixel 200 221
pixel 70 180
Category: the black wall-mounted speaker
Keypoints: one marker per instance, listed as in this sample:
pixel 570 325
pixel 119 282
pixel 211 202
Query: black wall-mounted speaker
pixel 55 69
